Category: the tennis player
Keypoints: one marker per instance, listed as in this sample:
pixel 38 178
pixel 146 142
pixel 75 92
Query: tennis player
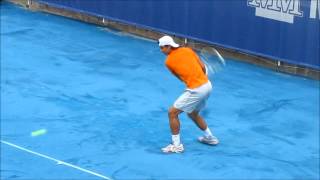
pixel 185 64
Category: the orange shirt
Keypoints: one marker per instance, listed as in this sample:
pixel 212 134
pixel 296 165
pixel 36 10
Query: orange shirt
pixel 184 63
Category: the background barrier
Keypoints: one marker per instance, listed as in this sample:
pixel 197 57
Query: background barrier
pixel 284 30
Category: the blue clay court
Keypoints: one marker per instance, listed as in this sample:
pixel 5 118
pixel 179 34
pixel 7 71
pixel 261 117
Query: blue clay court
pixel 103 96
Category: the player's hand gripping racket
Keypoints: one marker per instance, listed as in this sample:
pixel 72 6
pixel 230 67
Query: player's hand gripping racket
pixel 212 59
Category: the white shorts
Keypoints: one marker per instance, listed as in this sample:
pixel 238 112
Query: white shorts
pixel 193 99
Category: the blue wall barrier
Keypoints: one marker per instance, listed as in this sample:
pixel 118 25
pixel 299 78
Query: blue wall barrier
pixel 285 30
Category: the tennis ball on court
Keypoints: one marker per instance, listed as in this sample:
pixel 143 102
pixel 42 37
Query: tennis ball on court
pixel 38 132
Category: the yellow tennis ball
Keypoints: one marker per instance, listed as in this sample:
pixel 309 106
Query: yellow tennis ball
pixel 38 132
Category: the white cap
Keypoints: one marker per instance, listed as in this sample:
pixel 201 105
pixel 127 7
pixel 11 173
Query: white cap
pixel 167 40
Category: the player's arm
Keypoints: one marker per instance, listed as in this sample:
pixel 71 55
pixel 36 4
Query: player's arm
pixel 203 66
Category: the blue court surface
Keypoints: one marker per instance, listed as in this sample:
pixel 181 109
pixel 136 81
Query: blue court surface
pixel 103 98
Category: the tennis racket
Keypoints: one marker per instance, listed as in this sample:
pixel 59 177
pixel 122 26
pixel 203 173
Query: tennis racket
pixel 212 59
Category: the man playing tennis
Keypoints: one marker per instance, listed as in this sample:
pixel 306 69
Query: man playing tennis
pixel 185 64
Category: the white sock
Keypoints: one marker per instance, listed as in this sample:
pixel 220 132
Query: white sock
pixel 207 132
pixel 176 139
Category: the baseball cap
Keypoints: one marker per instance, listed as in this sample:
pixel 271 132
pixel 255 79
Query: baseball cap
pixel 167 40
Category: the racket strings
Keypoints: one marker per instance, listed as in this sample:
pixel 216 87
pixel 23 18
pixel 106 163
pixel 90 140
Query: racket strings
pixel 212 59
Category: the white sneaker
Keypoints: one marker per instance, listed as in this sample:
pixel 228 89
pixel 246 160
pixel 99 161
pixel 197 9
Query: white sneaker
pixel 211 140
pixel 173 149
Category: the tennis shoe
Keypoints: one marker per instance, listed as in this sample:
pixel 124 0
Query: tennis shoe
pixel 211 140
pixel 173 149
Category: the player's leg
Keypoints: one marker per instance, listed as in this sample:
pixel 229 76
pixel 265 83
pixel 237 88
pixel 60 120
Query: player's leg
pixel 208 137
pixel 173 115
pixel 176 146
pixel 198 120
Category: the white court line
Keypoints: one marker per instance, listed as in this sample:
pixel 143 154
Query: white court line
pixel 56 160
